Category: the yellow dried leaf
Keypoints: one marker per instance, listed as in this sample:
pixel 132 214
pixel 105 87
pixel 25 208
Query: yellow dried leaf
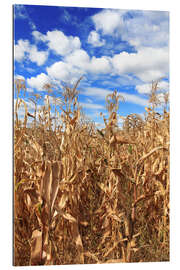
pixel 36 247
pixel 84 223
pixel 55 181
pixel 69 217
pixel 63 200
pixel 46 183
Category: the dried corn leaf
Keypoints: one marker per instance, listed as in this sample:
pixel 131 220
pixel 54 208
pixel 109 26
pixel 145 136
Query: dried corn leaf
pixel 46 184
pixel 69 217
pixel 78 241
pixel 91 255
pixel 63 200
pixel 56 170
pixel 36 247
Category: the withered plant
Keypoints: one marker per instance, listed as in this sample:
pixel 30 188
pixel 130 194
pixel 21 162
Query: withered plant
pixel 84 195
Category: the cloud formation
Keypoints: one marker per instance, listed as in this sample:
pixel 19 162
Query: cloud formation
pixel 122 48
pixel 24 50
pixel 39 81
pixel 20 49
pixel 101 93
pixel 146 88
pixel 138 28
pixel 108 21
pixel 147 64
pixel 58 42
pixel 94 39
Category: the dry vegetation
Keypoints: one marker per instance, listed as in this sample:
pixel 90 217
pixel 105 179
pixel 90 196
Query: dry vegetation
pixel 83 195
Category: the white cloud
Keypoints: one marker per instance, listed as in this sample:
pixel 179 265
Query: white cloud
pixel 38 36
pixel 39 57
pixel 58 70
pixel 108 21
pixel 39 81
pixel 140 29
pixel 19 77
pixel 100 65
pixel 81 60
pixel 78 58
pixel 23 49
pixel 146 88
pixel 94 39
pixel 147 64
pixel 20 49
pixel 147 28
pixel 30 70
pixel 32 25
pixel 163 85
pixel 148 31
pixel 58 41
pixel 134 99
pixel 64 71
pixel 100 94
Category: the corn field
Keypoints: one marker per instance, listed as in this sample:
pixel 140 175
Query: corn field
pixel 84 195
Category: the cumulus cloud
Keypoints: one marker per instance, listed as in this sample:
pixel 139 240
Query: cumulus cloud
pixel 62 44
pixel 64 72
pixel 147 64
pixel 20 49
pixel 100 65
pixel 78 58
pixel 94 39
pixel 77 64
pixel 140 29
pixel 59 70
pixel 58 41
pixel 108 21
pixel 38 36
pixel 147 31
pixel 39 57
pixel 24 50
pixel 81 60
pixel 147 27
pixel 38 82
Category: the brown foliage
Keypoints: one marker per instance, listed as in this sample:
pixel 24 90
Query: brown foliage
pixel 82 195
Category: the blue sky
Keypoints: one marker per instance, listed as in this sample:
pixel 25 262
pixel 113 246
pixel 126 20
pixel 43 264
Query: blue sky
pixel 112 48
